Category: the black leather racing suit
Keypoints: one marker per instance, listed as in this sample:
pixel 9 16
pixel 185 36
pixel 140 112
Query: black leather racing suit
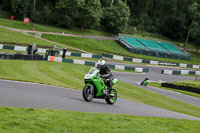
pixel 106 73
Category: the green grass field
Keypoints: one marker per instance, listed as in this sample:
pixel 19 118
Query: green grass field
pixel 9 36
pixel 189 83
pixel 181 91
pixel 15 24
pixel 20 120
pixel 71 76
pixel 16 37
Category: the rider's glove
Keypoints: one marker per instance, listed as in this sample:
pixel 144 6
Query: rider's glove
pixel 102 76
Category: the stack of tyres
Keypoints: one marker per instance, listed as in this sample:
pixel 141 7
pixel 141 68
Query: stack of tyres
pixel 2 56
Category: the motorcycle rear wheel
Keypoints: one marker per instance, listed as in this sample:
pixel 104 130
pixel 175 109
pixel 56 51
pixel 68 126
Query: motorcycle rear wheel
pixel 112 99
pixel 88 93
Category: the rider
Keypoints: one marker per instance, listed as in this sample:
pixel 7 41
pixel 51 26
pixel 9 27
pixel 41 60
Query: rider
pixel 105 72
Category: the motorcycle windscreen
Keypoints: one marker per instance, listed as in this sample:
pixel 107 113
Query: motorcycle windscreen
pixel 114 81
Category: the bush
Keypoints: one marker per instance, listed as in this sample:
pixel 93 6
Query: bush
pixel 174 27
pixel 78 13
pixel 36 16
pixel 116 18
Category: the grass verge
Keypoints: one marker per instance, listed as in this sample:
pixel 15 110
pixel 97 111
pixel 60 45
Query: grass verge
pixel 17 37
pixel 45 121
pixel 71 76
pixel 189 83
pixel 176 90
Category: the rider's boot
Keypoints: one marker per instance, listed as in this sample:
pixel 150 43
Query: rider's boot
pixel 109 91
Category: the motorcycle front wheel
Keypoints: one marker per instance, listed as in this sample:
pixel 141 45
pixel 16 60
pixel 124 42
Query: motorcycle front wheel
pixel 111 99
pixel 88 93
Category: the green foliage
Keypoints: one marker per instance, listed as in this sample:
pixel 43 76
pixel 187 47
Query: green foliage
pixel 90 15
pixel 21 8
pixel 172 27
pixel 78 13
pixel 42 16
pixel 145 24
pixel 195 34
pixel 193 28
pixel 29 120
pixel 116 17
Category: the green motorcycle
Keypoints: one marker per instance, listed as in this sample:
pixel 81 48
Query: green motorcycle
pixel 95 87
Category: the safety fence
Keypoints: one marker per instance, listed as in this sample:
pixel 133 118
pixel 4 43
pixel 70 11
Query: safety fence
pixel 89 55
pixel 91 63
pixel 20 57
pixel 181 87
pixel 153 62
pixel 43 51
pixel 180 72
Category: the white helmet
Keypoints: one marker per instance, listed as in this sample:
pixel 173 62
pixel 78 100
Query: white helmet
pixel 101 62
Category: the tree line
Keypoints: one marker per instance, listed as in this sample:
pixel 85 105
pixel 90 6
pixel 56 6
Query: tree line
pixel 176 19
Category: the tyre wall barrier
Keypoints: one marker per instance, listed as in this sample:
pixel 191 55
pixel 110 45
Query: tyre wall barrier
pixel 20 57
pixel 153 62
pixel 43 51
pixel 91 63
pixel 181 87
pixel 180 72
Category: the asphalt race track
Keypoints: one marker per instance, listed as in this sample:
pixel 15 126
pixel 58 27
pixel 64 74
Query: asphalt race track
pixel 21 94
pixel 136 78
